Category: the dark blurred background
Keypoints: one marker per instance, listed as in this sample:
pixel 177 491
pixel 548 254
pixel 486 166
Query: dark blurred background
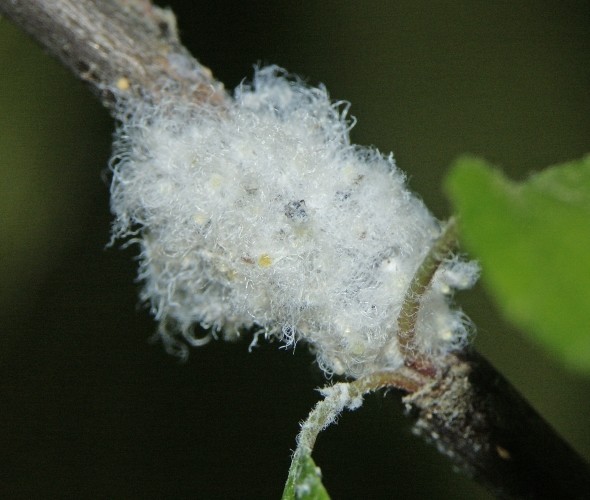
pixel 90 409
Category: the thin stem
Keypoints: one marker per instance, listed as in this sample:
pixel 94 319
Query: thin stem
pixel 336 398
pixel 349 395
pixel 420 283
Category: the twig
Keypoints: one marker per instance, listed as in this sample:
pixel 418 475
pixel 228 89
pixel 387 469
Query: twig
pixel 130 48
pixel 476 418
pixel 344 394
pixel 123 47
pixel 422 280
pixel 337 397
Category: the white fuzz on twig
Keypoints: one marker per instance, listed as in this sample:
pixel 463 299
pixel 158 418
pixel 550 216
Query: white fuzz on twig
pixel 263 216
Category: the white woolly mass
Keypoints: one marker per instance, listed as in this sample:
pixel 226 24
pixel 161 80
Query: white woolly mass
pixel 265 216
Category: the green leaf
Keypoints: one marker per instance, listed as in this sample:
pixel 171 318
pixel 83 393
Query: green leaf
pixel 533 241
pixel 304 481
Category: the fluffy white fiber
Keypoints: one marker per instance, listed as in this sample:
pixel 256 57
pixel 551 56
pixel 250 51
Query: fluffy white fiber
pixel 265 217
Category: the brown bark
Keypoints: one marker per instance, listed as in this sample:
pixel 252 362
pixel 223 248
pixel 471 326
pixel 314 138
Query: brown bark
pixel 487 429
pixel 124 47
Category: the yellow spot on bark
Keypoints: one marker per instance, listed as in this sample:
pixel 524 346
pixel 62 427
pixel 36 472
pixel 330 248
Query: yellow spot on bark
pixel 503 453
pixel 123 84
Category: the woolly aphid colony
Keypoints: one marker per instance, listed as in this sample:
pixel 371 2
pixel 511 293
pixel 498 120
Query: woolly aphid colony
pixel 265 218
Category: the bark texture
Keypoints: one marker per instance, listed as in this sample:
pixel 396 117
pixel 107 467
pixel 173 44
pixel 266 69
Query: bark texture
pixel 487 429
pixel 124 47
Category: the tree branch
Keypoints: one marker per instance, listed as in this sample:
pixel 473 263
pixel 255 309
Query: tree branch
pixel 130 49
pixel 119 47
pixel 476 418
